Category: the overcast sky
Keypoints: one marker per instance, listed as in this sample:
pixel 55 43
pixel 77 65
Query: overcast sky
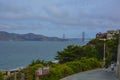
pixel 58 17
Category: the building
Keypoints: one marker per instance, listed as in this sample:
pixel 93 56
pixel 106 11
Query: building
pixel 111 34
pixel 101 35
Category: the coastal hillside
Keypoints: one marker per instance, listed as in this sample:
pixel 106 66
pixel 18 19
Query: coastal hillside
pixel 5 36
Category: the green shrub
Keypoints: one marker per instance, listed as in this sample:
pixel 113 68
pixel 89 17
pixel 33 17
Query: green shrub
pixel 75 66
pixel 84 64
pixel 65 70
pixel 58 72
pixel 30 71
pixel 1 76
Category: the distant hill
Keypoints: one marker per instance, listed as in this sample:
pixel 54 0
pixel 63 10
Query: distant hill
pixel 5 36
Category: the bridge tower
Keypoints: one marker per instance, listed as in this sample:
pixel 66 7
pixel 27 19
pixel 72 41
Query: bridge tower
pixel 83 36
pixel 63 36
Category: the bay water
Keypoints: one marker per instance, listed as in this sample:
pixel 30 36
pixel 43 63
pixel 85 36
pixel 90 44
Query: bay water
pixel 14 54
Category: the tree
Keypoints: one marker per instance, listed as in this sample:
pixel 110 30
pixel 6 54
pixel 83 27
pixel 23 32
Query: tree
pixel 90 51
pixel 98 45
pixel 72 53
pixel 69 54
pixel 112 46
pixel 1 76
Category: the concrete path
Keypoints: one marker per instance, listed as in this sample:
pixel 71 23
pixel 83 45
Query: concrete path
pixel 98 74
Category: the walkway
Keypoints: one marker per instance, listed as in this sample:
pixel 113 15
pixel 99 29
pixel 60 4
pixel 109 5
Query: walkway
pixel 98 74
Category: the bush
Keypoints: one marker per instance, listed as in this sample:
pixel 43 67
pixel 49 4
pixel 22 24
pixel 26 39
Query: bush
pixel 1 76
pixel 63 70
pixel 75 66
pixel 30 71
pixel 58 72
pixel 84 64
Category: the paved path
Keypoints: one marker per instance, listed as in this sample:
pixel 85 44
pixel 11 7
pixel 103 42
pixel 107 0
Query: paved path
pixel 98 74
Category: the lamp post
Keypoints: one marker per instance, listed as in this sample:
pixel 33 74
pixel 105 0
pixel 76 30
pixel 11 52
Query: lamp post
pixel 104 57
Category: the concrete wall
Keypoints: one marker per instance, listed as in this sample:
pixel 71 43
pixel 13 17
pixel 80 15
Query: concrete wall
pixel 118 59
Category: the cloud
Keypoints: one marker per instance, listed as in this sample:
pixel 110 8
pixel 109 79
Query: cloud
pixel 59 14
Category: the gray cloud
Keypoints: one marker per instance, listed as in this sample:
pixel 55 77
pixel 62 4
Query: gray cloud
pixel 59 14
